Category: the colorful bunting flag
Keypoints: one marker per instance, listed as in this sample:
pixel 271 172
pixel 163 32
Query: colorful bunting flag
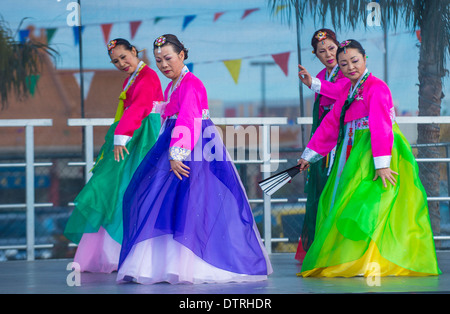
pixel 282 59
pixel 157 19
pixel 106 28
pixel 279 8
pixel 76 33
pixel 234 67
pixel 23 35
pixel 50 32
pixel 217 15
pixel 187 20
pixel 134 27
pixel 248 12
pixel 190 66
pixel 31 81
pixel 87 80
pixel 419 35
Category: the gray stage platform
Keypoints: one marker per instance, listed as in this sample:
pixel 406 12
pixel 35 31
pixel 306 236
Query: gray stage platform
pixel 49 277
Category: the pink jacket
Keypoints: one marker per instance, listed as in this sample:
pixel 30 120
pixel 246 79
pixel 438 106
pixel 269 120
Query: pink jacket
pixel 189 102
pixel 330 91
pixel 375 102
pixel 138 103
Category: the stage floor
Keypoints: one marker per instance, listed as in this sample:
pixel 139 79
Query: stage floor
pixel 50 277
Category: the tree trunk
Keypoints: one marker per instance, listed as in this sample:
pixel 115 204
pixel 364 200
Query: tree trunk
pixel 430 94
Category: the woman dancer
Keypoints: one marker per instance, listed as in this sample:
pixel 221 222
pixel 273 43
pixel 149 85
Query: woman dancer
pixel 96 222
pixel 373 216
pixel 327 85
pixel 186 215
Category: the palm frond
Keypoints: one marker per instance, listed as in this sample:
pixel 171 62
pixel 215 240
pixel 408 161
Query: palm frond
pixel 18 61
pixel 433 15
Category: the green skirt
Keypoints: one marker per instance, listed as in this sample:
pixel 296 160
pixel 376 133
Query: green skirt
pixel 99 204
pixel 360 223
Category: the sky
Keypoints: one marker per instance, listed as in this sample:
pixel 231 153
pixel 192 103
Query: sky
pixel 256 37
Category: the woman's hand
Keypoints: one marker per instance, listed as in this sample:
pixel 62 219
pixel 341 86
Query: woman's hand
pixel 179 169
pixel 385 174
pixel 304 165
pixel 118 152
pixel 304 76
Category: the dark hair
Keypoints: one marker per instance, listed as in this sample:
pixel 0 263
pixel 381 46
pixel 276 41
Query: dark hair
pixel 351 44
pixel 330 35
pixel 174 42
pixel 121 42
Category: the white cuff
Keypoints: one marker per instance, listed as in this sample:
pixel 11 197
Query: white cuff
pixel 178 153
pixel 311 156
pixel 382 162
pixel 316 85
pixel 121 140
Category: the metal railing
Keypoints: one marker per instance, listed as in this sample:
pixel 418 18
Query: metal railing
pixel 29 165
pixel 265 161
pixel 88 124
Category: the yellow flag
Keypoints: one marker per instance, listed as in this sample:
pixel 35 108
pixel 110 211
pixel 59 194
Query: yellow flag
pixel 234 67
pixel 279 8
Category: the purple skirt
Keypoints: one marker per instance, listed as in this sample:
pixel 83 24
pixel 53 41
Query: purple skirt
pixel 208 213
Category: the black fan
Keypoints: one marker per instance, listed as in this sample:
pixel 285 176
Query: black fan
pixel 275 182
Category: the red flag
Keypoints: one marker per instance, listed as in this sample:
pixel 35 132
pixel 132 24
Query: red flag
pixel 217 15
pixel 106 28
pixel 134 27
pixel 248 12
pixel 282 59
pixel 419 35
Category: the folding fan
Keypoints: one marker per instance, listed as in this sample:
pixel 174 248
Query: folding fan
pixel 275 182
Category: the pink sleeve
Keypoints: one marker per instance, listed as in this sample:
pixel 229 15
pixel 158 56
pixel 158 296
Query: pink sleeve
pixel 380 119
pixel 146 90
pixel 333 90
pixel 189 121
pixel 326 136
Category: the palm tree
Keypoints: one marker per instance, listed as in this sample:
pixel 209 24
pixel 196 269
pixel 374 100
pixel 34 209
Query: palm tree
pixel 18 62
pixel 432 17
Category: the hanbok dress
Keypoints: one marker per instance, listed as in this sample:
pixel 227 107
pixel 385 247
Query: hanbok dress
pixel 96 221
pixel 327 88
pixel 364 228
pixel 199 229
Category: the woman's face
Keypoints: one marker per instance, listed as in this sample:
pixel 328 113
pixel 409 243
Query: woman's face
pixel 125 60
pixel 169 62
pixel 352 64
pixel 326 52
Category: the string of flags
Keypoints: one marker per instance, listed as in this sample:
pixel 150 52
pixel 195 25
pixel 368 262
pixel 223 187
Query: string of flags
pixel 233 66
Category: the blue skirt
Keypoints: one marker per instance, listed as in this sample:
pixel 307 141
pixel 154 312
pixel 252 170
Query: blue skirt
pixel 207 213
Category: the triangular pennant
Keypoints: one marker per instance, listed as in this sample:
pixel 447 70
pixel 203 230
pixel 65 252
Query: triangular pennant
pixel 50 32
pixel 87 80
pixel 188 19
pixel 106 29
pixel 190 66
pixel 282 59
pixel 23 35
pixel 234 67
pixel 279 8
pixel 419 35
pixel 217 15
pixel 248 12
pixel 134 27
pixel 157 19
pixel 76 33
pixel 31 81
